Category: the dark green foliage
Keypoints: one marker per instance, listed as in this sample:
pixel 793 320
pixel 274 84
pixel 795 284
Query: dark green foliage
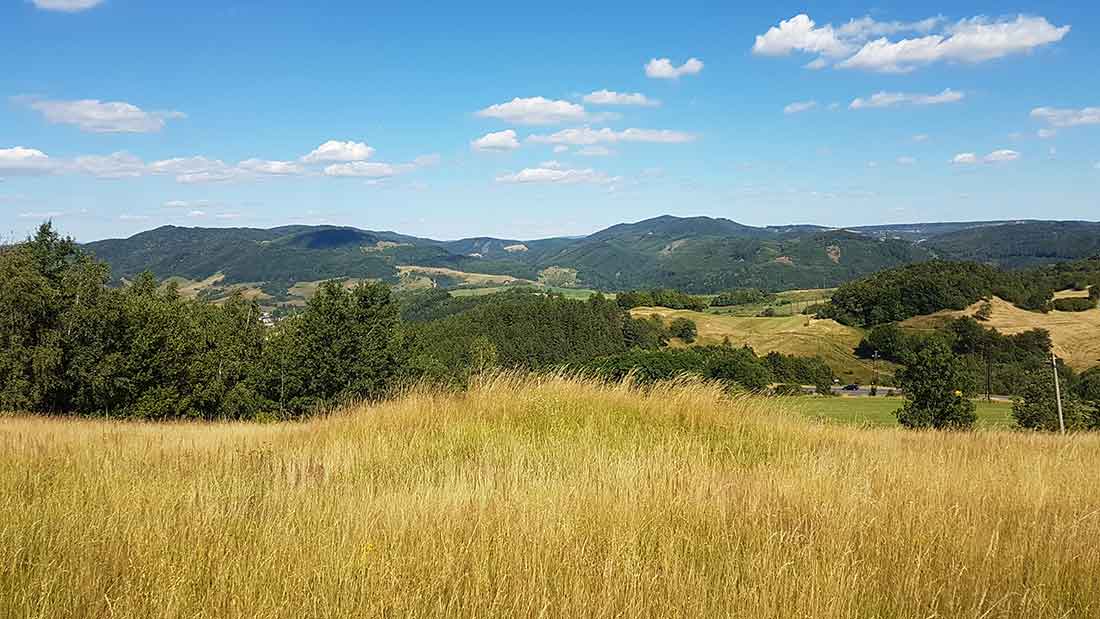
pixel 661 297
pixel 738 367
pixel 70 344
pixel 1037 406
pixel 645 333
pixel 800 371
pixel 684 329
pixel 935 386
pixel 531 332
pixel 985 311
pixel 1021 245
pixel 744 296
pixel 1075 304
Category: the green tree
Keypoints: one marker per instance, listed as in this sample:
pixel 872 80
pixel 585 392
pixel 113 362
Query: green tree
pixel 935 385
pixel 1037 406
pixel 684 329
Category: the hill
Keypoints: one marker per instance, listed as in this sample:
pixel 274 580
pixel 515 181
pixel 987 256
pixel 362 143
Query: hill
pixel 1075 335
pixel 1020 245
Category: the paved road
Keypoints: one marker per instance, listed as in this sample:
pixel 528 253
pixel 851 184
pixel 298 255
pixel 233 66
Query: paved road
pixel 864 391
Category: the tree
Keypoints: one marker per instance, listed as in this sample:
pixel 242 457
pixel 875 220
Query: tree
pixel 684 329
pixel 1037 406
pixel 935 390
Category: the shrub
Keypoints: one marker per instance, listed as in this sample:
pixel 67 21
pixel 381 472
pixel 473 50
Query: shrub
pixel 935 385
pixel 1037 406
pixel 1075 304
pixel 684 329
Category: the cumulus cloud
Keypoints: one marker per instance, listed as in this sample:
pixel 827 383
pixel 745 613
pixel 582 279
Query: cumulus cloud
pixel 997 156
pixel 971 41
pixel 610 97
pixel 499 141
pixel 1064 118
pixel 20 161
pixel 557 175
pixel 800 106
pixel 335 150
pixel 864 43
pixel 662 68
pixel 95 116
pixel 67 6
pixel 801 34
pixel 586 136
pixel 535 111
pixel 890 99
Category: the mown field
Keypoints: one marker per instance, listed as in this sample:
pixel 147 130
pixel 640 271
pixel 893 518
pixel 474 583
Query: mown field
pixel 1076 335
pixel 792 335
pixel 545 497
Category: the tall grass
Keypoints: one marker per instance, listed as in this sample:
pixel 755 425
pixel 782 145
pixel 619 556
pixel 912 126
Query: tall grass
pixel 551 497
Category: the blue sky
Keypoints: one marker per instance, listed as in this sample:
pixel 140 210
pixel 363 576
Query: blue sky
pixel 493 118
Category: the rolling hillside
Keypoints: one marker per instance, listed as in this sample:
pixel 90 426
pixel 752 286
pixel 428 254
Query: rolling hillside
pixel 696 254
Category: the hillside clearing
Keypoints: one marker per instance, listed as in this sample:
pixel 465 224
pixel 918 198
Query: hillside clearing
pixel 791 335
pixel 545 497
pixel 467 279
pixel 1076 335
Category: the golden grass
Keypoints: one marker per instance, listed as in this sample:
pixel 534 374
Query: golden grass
pixel 792 335
pixel 467 279
pixel 1076 335
pixel 545 497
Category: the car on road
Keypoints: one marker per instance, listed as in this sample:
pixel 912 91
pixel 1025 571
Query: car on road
pixel 851 387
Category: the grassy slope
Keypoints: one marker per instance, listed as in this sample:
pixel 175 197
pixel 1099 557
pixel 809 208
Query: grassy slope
pixel 792 335
pixel 1076 335
pixel 554 498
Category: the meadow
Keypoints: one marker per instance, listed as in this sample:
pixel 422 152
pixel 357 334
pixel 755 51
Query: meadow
pixel 545 497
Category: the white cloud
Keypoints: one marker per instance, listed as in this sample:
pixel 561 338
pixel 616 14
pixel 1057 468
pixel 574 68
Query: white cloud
pixel 972 41
pixel 595 151
pixel 1067 118
pixel 96 116
pixel 864 44
pixel 208 177
pixel 535 111
pixel 662 68
pixel 67 6
pixel 921 137
pixel 905 160
pixel 800 106
pixel 890 99
pixel 335 150
pixel 273 168
pixel 197 214
pixel 499 141
pixel 186 165
pixel 364 169
pixel 19 160
pixel 113 166
pixel 129 217
pixel 557 175
pixel 1045 134
pixel 997 156
pixel 610 97
pixel 561 148
pixel 586 136
pixel 42 215
pixel 553 164
pixel 800 33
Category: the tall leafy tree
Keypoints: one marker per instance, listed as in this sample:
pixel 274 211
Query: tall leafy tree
pixel 935 385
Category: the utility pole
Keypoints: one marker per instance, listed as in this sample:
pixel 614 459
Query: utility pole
pixel 1058 392
pixel 988 375
pixel 874 373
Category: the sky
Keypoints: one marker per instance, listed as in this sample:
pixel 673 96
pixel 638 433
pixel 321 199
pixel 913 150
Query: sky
pixel 514 120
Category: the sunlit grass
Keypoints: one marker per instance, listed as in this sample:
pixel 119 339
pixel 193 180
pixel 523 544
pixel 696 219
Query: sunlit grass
pixel 545 497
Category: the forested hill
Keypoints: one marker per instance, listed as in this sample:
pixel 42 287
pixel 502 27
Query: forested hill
pixel 697 254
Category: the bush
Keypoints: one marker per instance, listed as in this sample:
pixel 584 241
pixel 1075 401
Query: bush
pixel 684 329
pixel 1075 304
pixel 1037 408
pixel 935 386
pixel 743 296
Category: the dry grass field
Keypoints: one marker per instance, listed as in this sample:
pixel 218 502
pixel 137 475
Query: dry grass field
pixel 545 497
pixel 792 335
pixel 1076 335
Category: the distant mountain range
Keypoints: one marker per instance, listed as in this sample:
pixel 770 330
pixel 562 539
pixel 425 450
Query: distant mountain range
pixel 696 254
